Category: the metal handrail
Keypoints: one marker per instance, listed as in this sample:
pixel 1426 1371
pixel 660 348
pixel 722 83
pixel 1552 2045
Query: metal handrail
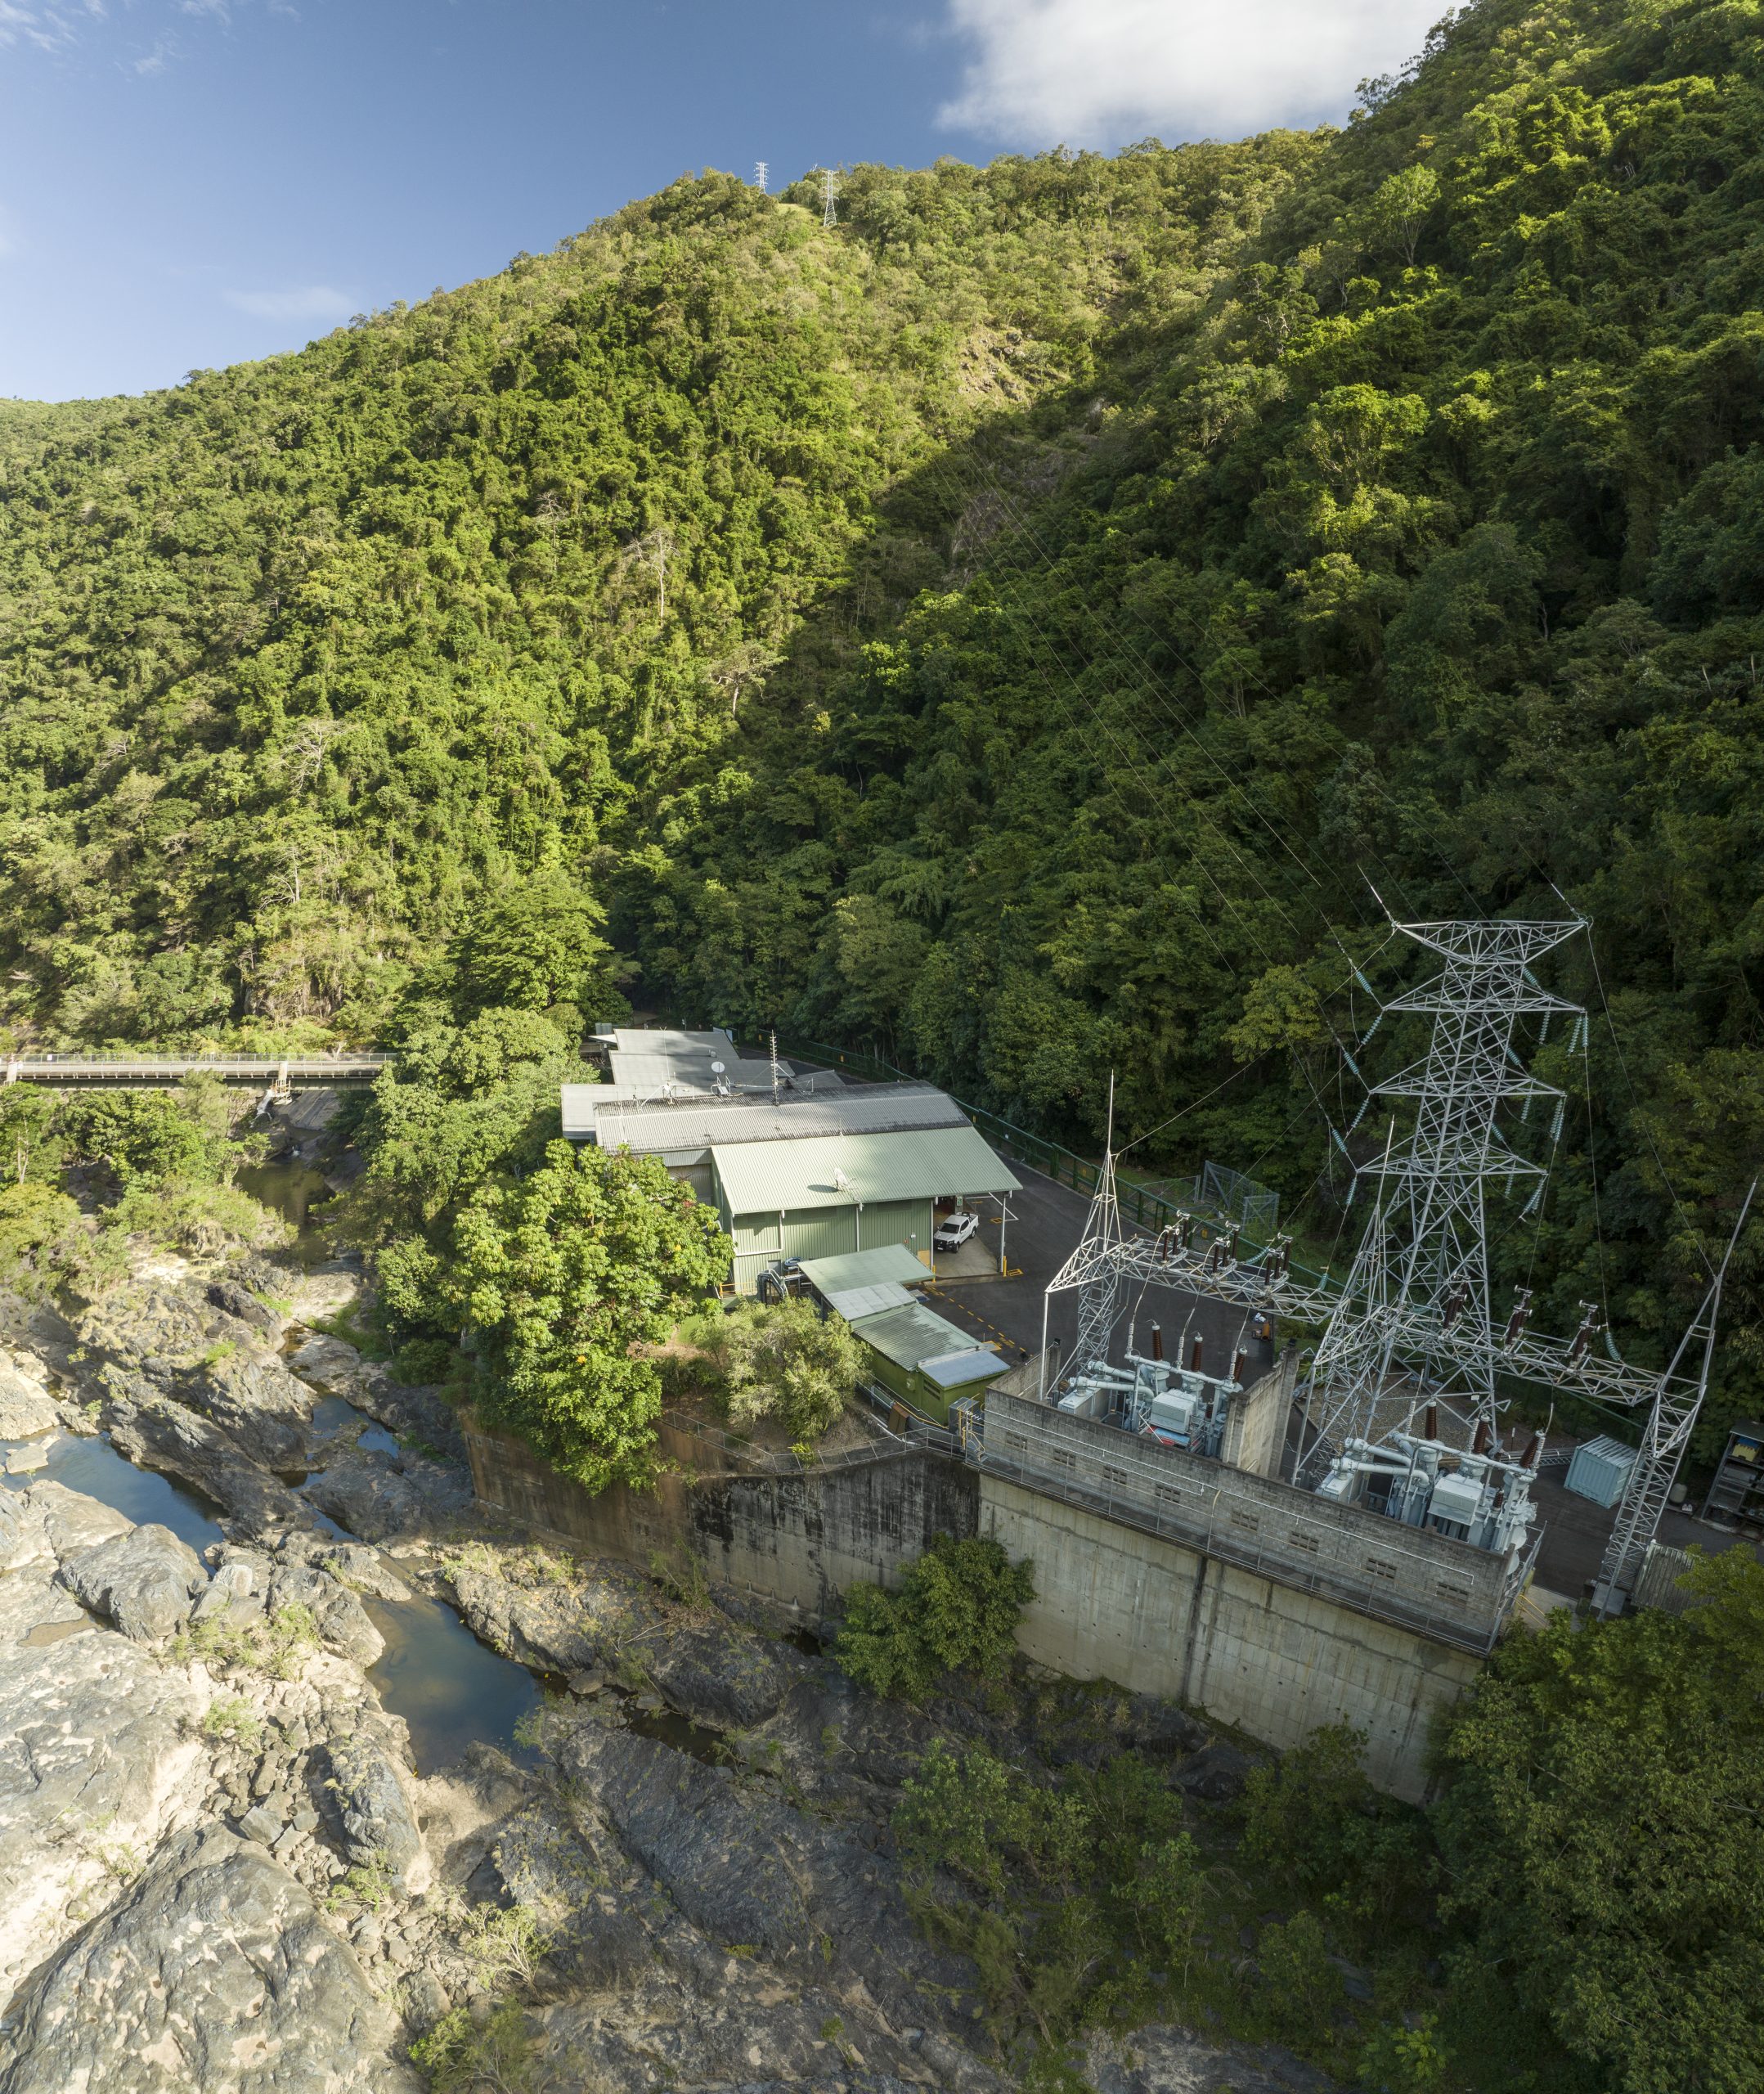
pixel 319 1058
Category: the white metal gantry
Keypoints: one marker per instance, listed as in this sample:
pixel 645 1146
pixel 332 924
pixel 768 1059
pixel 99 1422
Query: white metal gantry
pixel 1413 1319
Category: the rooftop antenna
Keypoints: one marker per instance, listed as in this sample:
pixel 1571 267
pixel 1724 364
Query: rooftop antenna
pixel 829 210
pixel 761 171
pixel 776 1075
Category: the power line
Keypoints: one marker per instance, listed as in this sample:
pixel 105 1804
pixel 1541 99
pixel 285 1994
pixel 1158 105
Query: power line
pixel 1639 1116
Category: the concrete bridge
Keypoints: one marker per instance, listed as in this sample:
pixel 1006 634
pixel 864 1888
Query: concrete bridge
pixel 277 1075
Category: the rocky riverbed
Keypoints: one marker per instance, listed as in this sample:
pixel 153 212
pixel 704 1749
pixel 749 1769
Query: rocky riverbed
pixel 227 1866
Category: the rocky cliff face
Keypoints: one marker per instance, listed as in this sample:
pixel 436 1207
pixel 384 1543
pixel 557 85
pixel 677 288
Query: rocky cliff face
pixel 221 1870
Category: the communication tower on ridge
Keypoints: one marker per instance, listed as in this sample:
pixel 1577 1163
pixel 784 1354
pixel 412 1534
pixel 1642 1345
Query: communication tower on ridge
pixel 829 208
pixel 760 172
pixel 1405 1412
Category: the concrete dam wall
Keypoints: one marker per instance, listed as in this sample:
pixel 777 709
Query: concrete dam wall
pixel 1216 1628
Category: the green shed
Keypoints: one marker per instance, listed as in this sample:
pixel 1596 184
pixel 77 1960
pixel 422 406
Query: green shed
pixel 822 1196
pixel 926 1362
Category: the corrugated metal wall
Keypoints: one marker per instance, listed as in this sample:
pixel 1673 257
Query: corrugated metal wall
pixel 824 1233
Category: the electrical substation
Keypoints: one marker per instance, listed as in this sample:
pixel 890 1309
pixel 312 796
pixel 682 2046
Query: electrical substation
pixel 1406 1401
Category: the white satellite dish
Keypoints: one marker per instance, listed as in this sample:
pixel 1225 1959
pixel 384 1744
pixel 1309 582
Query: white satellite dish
pixel 841 1183
pixel 716 1068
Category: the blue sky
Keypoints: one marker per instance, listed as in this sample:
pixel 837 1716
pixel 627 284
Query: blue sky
pixel 193 182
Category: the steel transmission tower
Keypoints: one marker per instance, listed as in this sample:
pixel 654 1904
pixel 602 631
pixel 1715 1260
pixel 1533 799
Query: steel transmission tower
pixel 829 208
pixel 1413 1322
pixel 1098 1261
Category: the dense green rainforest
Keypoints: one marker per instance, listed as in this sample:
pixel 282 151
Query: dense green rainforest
pixel 1030 627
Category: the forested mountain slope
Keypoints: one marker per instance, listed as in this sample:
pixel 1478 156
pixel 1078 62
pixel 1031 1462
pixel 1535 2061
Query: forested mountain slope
pixel 1020 626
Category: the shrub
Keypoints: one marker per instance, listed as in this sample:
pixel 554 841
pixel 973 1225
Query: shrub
pixel 782 1360
pixel 957 1610
pixel 1315 1822
pixel 1063 1896
pixel 235 1720
pixel 1304 1988
pixel 457 2057
pixel 420 1361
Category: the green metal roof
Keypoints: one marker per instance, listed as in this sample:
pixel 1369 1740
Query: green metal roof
pixel 891 1261
pixel 762 1177
pixel 910 1335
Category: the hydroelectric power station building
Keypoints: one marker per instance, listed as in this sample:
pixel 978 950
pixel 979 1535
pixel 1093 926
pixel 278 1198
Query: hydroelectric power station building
pixel 796 1166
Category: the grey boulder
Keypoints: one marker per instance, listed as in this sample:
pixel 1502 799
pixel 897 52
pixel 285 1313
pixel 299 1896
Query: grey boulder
pixel 1216 1773
pixel 380 1826
pixel 26 1407
pixel 213 1972
pixel 72 1520
pixel 339 1617
pixel 240 1301
pixel 328 1364
pixel 362 1491
pixel 144 1580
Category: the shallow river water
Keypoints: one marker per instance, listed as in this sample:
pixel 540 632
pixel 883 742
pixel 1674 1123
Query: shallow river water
pixel 451 1690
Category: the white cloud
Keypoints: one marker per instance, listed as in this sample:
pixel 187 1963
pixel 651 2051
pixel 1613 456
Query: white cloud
pixel 1103 72
pixel 57 26
pixel 50 27
pixel 311 302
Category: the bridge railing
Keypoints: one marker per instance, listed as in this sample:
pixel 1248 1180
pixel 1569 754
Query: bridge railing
pixel 120 1057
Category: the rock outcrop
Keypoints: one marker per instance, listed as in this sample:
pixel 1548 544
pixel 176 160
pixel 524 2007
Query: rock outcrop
pixel 215 1973
pixel 146 1581
pixel 379 1817
pixel 162 1432
pixel 27 1408
pixel 701 1663
pixel 100 1757
pixel 220 1875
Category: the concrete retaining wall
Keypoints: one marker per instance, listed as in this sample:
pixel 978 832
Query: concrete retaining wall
pixel 1423 1581
pixel 799 1539
pixel 1113 1603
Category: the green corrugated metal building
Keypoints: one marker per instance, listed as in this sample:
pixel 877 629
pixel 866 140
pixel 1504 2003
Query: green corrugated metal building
pixel 825 1195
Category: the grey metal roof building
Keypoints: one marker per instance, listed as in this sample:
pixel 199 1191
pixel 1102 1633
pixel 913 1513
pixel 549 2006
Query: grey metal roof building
pixel 608 1115
pixel 713 1045
pixel 636 1072
pixel 853 1169
pixel 873 1170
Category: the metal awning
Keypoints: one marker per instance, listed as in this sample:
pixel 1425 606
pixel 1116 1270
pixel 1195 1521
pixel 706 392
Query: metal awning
pixel 955 1370
pixel 851 1269
pixel 853 1303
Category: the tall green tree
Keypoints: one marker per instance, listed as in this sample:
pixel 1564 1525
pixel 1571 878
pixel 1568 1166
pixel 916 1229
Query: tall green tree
pixel 1604 1832
pixel 566 1277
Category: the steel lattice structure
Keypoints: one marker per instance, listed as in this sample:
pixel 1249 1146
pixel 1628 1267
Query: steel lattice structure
pixel 1414 1315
